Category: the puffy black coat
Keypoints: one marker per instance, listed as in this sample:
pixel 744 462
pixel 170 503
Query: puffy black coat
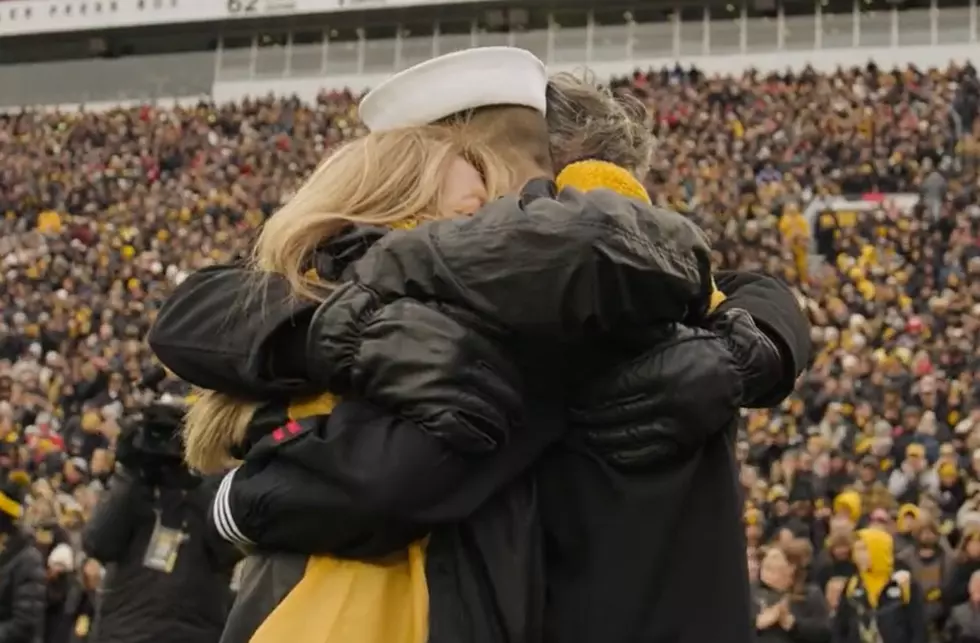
pixel 23 593
pixel 641 503
pixel 546 267
pixel 452 370
pixel 562 269
pixel 375 483
pixel 420 482
pixel 140 604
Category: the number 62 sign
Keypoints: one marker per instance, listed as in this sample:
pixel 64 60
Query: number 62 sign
pixel 237 7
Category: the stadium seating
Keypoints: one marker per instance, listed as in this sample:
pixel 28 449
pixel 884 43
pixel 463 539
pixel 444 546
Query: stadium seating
pixel 860 188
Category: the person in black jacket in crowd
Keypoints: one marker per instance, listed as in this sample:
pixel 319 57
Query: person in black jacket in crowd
pixel 788 609
pixel 880 603
pixel 166 579
pixel 643 476
pixel 963 624
pixel 71 597
pixel 22 578
pixel 966 564
pixel 60 577
pixel 835 561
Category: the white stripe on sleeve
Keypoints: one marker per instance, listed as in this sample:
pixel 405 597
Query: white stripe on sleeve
pixel 224 522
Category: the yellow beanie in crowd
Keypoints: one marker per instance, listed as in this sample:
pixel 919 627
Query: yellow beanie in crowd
pixel 908 515
pixel 777 492
pixel 20 477
pixel 850 502
pixel 947 469
pixel 594 175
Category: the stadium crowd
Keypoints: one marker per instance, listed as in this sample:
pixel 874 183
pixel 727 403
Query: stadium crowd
pixel 104 212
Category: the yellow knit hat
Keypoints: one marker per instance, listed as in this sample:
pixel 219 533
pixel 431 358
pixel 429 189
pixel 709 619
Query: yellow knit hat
pixel 589 175
pixel 593 175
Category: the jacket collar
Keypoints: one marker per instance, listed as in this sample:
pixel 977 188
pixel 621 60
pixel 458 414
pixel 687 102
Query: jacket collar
pixel 335 257
pixel 542 188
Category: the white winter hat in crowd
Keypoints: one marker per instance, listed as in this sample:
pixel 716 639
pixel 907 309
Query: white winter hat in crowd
pixel 454 83
pixel 62 556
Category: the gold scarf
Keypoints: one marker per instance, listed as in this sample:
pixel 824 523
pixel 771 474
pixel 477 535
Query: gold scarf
pixel 351 601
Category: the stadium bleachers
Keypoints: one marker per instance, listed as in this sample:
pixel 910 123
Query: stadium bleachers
pixel 859 186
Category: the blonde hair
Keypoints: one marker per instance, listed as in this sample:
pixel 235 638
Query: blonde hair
pixel 386 179
pixel 586 121
pixel 393 179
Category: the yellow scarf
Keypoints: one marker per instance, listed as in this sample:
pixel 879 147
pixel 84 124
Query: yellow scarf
pixel 350 601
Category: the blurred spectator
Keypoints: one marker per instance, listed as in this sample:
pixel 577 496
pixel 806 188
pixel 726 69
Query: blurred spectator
pixel 167 581
pixel 22 582
pixel 835 562
pixel 879 604
pixel 931 564
pixel 874 494
pixel 966 563
pixel 905 524
pixel 788 609
pixel 913 477
pixel 964 623
pixel 61 568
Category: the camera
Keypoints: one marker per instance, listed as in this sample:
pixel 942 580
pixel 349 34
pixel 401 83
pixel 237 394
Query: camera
pixel 150 443
pixel 157 433
pixel 150 440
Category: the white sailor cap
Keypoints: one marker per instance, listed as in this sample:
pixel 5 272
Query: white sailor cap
pixel 454 83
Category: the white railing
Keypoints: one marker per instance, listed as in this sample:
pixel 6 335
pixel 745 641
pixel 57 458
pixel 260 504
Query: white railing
pixel 729 33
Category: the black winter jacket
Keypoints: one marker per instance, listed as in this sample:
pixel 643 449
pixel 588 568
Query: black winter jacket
pixel 437 257
pixel 596 480
pixel 23 594
pixel 445 370
pixel 640 503
pixel 483 565
pixel 140 604
pixel 899 616
pixel 72 622
pixel 811 616
pixel 957 589
pixel 537 266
